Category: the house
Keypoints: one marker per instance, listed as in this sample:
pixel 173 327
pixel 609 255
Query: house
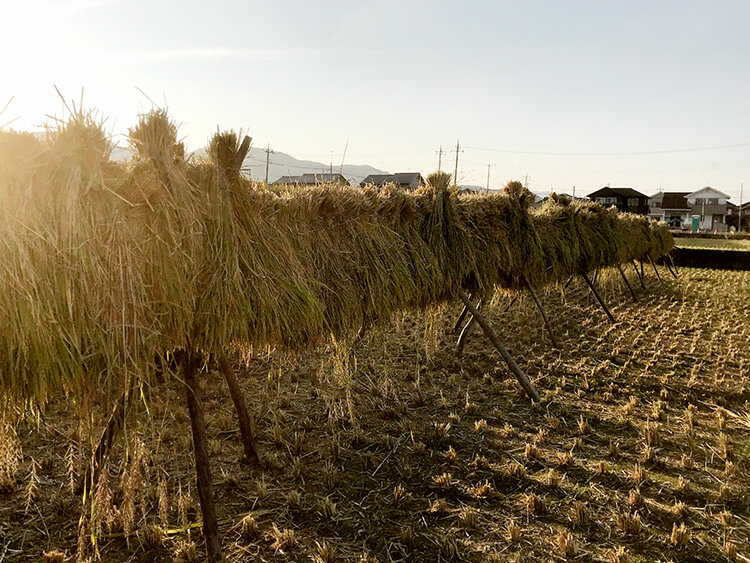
pixel 672 208
pixel 743 211
pixel 706 209
pixel 313 179
pixel 711 208
pixel 624 199
pixel 403 180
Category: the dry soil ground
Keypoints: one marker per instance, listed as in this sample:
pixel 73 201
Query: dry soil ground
pixel 403 450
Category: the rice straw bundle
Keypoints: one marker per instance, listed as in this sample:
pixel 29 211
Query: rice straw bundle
pixel 103 266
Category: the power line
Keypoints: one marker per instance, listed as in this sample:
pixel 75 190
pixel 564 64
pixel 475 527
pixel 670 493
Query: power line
pixel 636 153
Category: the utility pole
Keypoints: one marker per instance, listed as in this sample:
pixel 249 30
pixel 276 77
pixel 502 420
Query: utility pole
pixel 526 181
pixel 439 152
pixel 346 146
pixel 488 175
pixel 269 152
pixel 574 192
pixel 455 173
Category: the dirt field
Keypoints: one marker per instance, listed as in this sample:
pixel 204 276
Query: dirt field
pixel 402 450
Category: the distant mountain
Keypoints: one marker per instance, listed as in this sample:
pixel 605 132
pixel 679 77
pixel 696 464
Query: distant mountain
pixel 282 164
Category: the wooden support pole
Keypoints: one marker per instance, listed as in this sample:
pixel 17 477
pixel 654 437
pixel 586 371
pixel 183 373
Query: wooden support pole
pixel 637 273
pixel 596 294
pixel 460 320
pixel 655 270
pixel 625 279
pixel 464 336
pixel 674 265
pixel 564 288
pixel 669 263
pixel 202 464
pixel 246 428
pixel 541 311
pixel 522 379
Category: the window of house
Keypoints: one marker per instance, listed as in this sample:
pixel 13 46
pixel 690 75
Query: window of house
pixel 633 202
pixel 607 200
pixel 707 201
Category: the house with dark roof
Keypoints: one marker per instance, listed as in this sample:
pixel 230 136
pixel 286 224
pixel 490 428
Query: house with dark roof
pixel 624 199
pixel 671 207
pixel 404 180
pixel 312 179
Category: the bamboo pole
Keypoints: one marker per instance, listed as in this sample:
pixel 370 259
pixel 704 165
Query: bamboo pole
pixel 637 273
pixel 464 336
pixel 246 428
pixel 522 379
pixel 674 264
pixel 655 270
pixel 202 463
pixel 599 299
pixel 669 263
pixel 541 311
pixel 460 320
pixel 627 283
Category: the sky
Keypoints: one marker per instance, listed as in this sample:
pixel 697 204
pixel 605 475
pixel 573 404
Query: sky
pixel 646 94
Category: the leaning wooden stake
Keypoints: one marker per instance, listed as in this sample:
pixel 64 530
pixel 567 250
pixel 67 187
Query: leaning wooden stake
pixel 596 294
pixel 522 379
pixel 669 263
pixel 655 270
pixel 674 265
pixel 541 311
pixel 464 336
pixel 460 320
pixel 637 273
pixel 625 279
pixel 202 464
pixel 246 429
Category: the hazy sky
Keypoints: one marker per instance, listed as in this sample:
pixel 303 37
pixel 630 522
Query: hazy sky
pixel 399 78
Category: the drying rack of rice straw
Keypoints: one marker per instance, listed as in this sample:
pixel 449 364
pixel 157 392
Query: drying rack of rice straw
pixel 110 273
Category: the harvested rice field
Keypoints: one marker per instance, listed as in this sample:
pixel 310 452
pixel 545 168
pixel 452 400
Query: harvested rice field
pixel 397 448
pixel 718 244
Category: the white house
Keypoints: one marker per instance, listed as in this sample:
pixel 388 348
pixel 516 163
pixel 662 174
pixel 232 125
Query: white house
pixel 711 205
pixel 705 209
